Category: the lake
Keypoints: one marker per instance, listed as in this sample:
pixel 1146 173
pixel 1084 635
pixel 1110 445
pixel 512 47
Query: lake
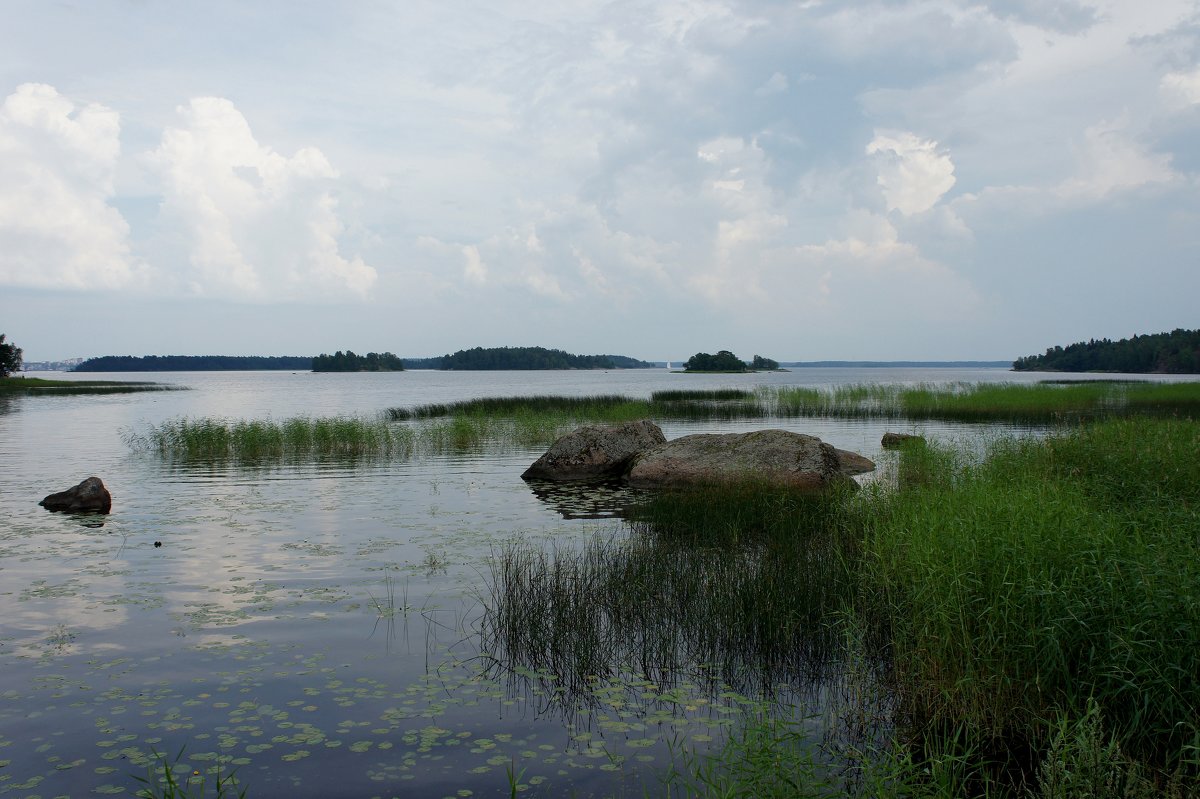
pixel 315 624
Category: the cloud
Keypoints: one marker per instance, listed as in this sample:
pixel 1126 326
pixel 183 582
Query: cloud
pixel 256 225
pixel 913 174
pixel 58 165
pixel 1110 161
pixel 1062 16
pixel 1183 88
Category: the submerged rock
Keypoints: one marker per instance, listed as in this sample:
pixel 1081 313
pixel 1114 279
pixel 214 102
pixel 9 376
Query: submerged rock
pixel 595 451
pixel 773 456
pixel 90 496
pixel 893 440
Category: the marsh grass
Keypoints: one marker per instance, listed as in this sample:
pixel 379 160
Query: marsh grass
pixel 1049 582
pixel 43 386
pixel 258 440
pixel 720 577
pixel 1054 573
pixel 1013 402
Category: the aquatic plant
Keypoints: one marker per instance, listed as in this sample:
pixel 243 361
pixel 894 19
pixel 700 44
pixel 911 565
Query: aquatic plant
pixel 998 596
pixel 174 779
pixel 249 441
pixel 45 387
pixel 1053 573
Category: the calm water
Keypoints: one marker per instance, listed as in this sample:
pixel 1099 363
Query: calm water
pixel 313 625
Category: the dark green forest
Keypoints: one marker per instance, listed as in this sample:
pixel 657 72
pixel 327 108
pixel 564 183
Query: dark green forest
pixel 723 361
pixel 1177 352
pixel 192 363
pixel 519 358
pixel 349 362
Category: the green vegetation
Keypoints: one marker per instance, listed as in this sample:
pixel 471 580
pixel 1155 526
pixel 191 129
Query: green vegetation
pixel 175 779
pixel 250 441
pixel 191 363
pixel 761 364
pixel 481 358
pixel 726 361
pixel 349 362
pixel 10 357
pixel 1177 352
pixel 1010 402
pixel 1014 402
pixel 723 361
pixel 1030 619
pixel 37 385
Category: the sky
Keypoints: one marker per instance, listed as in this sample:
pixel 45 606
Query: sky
pixel 811 180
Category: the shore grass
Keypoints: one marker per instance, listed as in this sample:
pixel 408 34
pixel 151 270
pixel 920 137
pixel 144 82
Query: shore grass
pixel 250 441
pixel 1054 573
pixel 1014 402
pixel 1035 607
pixel 42 386
pixel 1038 403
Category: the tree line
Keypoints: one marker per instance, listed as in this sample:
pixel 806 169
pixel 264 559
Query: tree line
pixel 192 363
pixel 523 358
pixel 726 361
pixel 1177 352
pixel 349 362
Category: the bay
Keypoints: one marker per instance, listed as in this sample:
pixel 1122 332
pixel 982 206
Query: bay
pixel 314 624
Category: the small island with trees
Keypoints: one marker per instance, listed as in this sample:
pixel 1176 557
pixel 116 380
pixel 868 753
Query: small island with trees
pixel 1177 352
pixel 726 361
pixel 522 358
pixel 349 362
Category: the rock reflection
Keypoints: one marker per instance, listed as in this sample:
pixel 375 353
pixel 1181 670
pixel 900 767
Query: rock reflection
pixel 587 499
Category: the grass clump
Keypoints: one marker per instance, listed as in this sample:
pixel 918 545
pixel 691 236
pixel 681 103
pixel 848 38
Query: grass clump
pixel 1052 574
pixel 255 440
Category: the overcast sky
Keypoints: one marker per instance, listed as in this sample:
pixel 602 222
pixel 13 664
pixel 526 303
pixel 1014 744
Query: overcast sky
pixel 802 180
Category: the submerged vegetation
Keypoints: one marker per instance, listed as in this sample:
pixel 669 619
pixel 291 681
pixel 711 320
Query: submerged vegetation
pixel 1027 614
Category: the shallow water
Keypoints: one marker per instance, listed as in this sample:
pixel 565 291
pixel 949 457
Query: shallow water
pixel 314 625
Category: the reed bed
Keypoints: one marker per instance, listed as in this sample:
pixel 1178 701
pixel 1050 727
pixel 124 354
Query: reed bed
pixel 257 440
pixel 45 387
pixel 1012 402
pixel 1033 608
pixel 723 579
pixel 1053 574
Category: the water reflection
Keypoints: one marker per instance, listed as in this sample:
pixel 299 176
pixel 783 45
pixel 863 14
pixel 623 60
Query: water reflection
pixel 610 499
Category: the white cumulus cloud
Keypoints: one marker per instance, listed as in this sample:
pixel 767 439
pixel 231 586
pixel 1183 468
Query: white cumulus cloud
pixel 58 164
pixel 258 225
pixel 913 173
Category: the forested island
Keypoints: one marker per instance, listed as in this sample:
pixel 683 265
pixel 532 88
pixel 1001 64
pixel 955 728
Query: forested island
pixel 349 362
pixel 726 361
pixel 1177 352
pixel 521 358
pixel 192 363
pixel 478 358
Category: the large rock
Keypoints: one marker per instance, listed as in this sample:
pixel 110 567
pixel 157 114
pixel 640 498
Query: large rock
pixel 595 451
pixel 773 456
pixel 90 496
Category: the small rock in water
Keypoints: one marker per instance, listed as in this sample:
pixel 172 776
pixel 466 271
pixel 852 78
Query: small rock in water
pixel 90 496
